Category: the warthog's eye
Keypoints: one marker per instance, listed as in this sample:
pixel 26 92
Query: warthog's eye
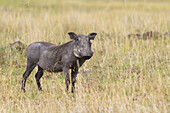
pixel 77 39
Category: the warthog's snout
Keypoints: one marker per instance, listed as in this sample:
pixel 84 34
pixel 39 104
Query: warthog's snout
pixel 87 54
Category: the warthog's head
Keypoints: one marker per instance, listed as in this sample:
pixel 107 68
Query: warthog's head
pixel 82 47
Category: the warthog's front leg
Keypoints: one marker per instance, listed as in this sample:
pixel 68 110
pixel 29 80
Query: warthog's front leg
pixel 73 79
pixel 67 78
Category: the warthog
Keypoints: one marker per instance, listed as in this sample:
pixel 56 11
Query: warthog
pixel 58 58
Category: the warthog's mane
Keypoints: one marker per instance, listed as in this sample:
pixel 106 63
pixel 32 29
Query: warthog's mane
pixel 58 49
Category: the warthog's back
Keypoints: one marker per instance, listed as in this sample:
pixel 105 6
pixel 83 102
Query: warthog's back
pixel 34 50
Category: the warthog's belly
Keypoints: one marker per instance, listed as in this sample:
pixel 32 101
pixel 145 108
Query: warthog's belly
pixel 51 66
pixel 57 67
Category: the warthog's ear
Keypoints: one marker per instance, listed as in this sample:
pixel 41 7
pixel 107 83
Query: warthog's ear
pixel 72 35
pixel 92 36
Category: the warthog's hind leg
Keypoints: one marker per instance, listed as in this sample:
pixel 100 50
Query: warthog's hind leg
pixel 38 75
pixel 29 69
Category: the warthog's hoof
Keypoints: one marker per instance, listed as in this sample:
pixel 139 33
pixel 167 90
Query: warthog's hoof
pixel 40 89
pixel 23 89
pixel 72 90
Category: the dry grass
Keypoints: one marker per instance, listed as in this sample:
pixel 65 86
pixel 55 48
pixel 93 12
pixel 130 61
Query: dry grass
pixel 124 75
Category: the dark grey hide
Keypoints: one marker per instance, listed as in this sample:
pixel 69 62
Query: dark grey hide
pixel 58 58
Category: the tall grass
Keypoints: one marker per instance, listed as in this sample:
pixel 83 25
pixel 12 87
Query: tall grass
pixel 124 75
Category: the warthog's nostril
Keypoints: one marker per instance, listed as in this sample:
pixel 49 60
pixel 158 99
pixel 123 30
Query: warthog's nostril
pixel 91 53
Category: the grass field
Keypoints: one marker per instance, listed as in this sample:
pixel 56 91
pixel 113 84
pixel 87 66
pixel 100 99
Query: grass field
pixel 123 76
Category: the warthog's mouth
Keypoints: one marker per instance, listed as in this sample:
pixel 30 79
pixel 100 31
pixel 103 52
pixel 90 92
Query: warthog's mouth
pixel 86 57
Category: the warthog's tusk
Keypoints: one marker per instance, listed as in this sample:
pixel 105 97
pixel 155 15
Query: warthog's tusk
pixel 74 51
